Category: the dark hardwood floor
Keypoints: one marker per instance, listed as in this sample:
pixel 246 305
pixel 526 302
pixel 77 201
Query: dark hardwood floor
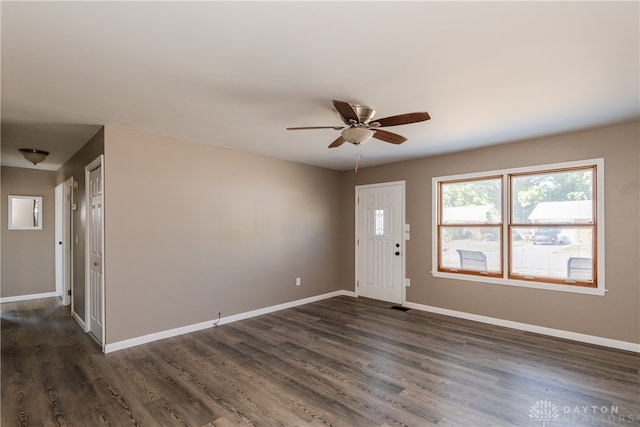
pixel 339 362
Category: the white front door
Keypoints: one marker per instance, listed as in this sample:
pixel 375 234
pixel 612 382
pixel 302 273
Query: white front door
pixel 95 249
pixel 379 241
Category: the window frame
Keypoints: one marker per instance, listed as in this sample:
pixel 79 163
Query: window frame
pixel 499 225
pixel 506 277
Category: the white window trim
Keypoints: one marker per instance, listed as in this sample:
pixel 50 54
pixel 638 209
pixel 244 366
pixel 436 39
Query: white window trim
pixel 600 290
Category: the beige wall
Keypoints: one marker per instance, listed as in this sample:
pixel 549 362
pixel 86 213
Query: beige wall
pixel 615 315
pixel 193 231
pixel 28 256
pixel 74 167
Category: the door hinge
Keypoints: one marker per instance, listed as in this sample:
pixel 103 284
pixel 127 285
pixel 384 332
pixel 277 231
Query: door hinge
pixel 69 292
pixel 357 283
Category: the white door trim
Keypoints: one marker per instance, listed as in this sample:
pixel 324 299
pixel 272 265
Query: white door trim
pixel 403 260
pixel 98 162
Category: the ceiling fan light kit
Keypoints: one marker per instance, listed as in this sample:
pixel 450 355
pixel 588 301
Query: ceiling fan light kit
pixel 357 135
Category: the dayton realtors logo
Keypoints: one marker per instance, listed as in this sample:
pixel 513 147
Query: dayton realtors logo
pixel 544 411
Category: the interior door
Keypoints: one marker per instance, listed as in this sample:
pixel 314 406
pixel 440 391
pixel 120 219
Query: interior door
pixel 63 254
pixel 59 254
pixel 95 245
pixel 379 241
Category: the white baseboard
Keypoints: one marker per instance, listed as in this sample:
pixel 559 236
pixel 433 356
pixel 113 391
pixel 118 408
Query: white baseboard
pixel 558 333
pixel 28 297
pixel 120 345
pixel 78 319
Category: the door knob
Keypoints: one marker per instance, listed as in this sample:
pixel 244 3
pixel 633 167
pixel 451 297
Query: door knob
pixel 397 245
pixel 397 253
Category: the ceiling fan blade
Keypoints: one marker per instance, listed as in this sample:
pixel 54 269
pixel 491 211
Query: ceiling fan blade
pixel 402 119
pixel 338 142
pixel 317 127
pixel 346 111
pixel 386 136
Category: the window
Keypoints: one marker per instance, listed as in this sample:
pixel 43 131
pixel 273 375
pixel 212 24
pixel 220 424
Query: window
pixel 471 221
pixel 536 227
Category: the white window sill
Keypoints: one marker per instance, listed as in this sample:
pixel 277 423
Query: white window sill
pixel 600 291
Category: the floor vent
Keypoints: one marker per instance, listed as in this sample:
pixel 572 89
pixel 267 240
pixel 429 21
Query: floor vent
pixel 399 307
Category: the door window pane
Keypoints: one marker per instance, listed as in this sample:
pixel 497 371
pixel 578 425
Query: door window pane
pixel 379 222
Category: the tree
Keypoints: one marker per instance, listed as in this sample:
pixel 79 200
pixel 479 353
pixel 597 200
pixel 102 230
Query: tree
pixel 472 193
pixel 529 190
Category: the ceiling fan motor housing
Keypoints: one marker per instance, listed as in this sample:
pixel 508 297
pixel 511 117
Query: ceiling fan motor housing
pixel 365 114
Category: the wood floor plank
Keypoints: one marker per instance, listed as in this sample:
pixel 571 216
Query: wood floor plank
pixel 337 362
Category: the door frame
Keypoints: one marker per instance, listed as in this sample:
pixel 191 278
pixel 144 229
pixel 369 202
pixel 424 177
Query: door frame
pixel 403 228
pixel 97 163
pixel 64 231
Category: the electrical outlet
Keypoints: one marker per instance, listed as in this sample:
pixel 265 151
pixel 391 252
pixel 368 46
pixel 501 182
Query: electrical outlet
pixel 407 282
pixel 298 282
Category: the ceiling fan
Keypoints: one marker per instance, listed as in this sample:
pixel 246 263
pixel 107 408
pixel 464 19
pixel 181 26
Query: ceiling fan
pixel 360 126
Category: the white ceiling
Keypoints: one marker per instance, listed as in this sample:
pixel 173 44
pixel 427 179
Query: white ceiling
pixel 236 74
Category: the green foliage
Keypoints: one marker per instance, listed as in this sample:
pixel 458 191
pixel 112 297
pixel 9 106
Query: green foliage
pixel 472 193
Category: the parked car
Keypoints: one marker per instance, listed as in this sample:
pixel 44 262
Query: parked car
pixel 549 236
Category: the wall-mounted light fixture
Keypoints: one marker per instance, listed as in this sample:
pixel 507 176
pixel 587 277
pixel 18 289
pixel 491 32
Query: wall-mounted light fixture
pixel 33 155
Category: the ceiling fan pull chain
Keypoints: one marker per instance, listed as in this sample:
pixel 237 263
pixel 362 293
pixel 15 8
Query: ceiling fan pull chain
pixel 359 158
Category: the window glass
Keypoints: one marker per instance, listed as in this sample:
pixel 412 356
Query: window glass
pixel 552 253
pixel 379 222
pixel 564 197
pixel 471 248
pixel 472 202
